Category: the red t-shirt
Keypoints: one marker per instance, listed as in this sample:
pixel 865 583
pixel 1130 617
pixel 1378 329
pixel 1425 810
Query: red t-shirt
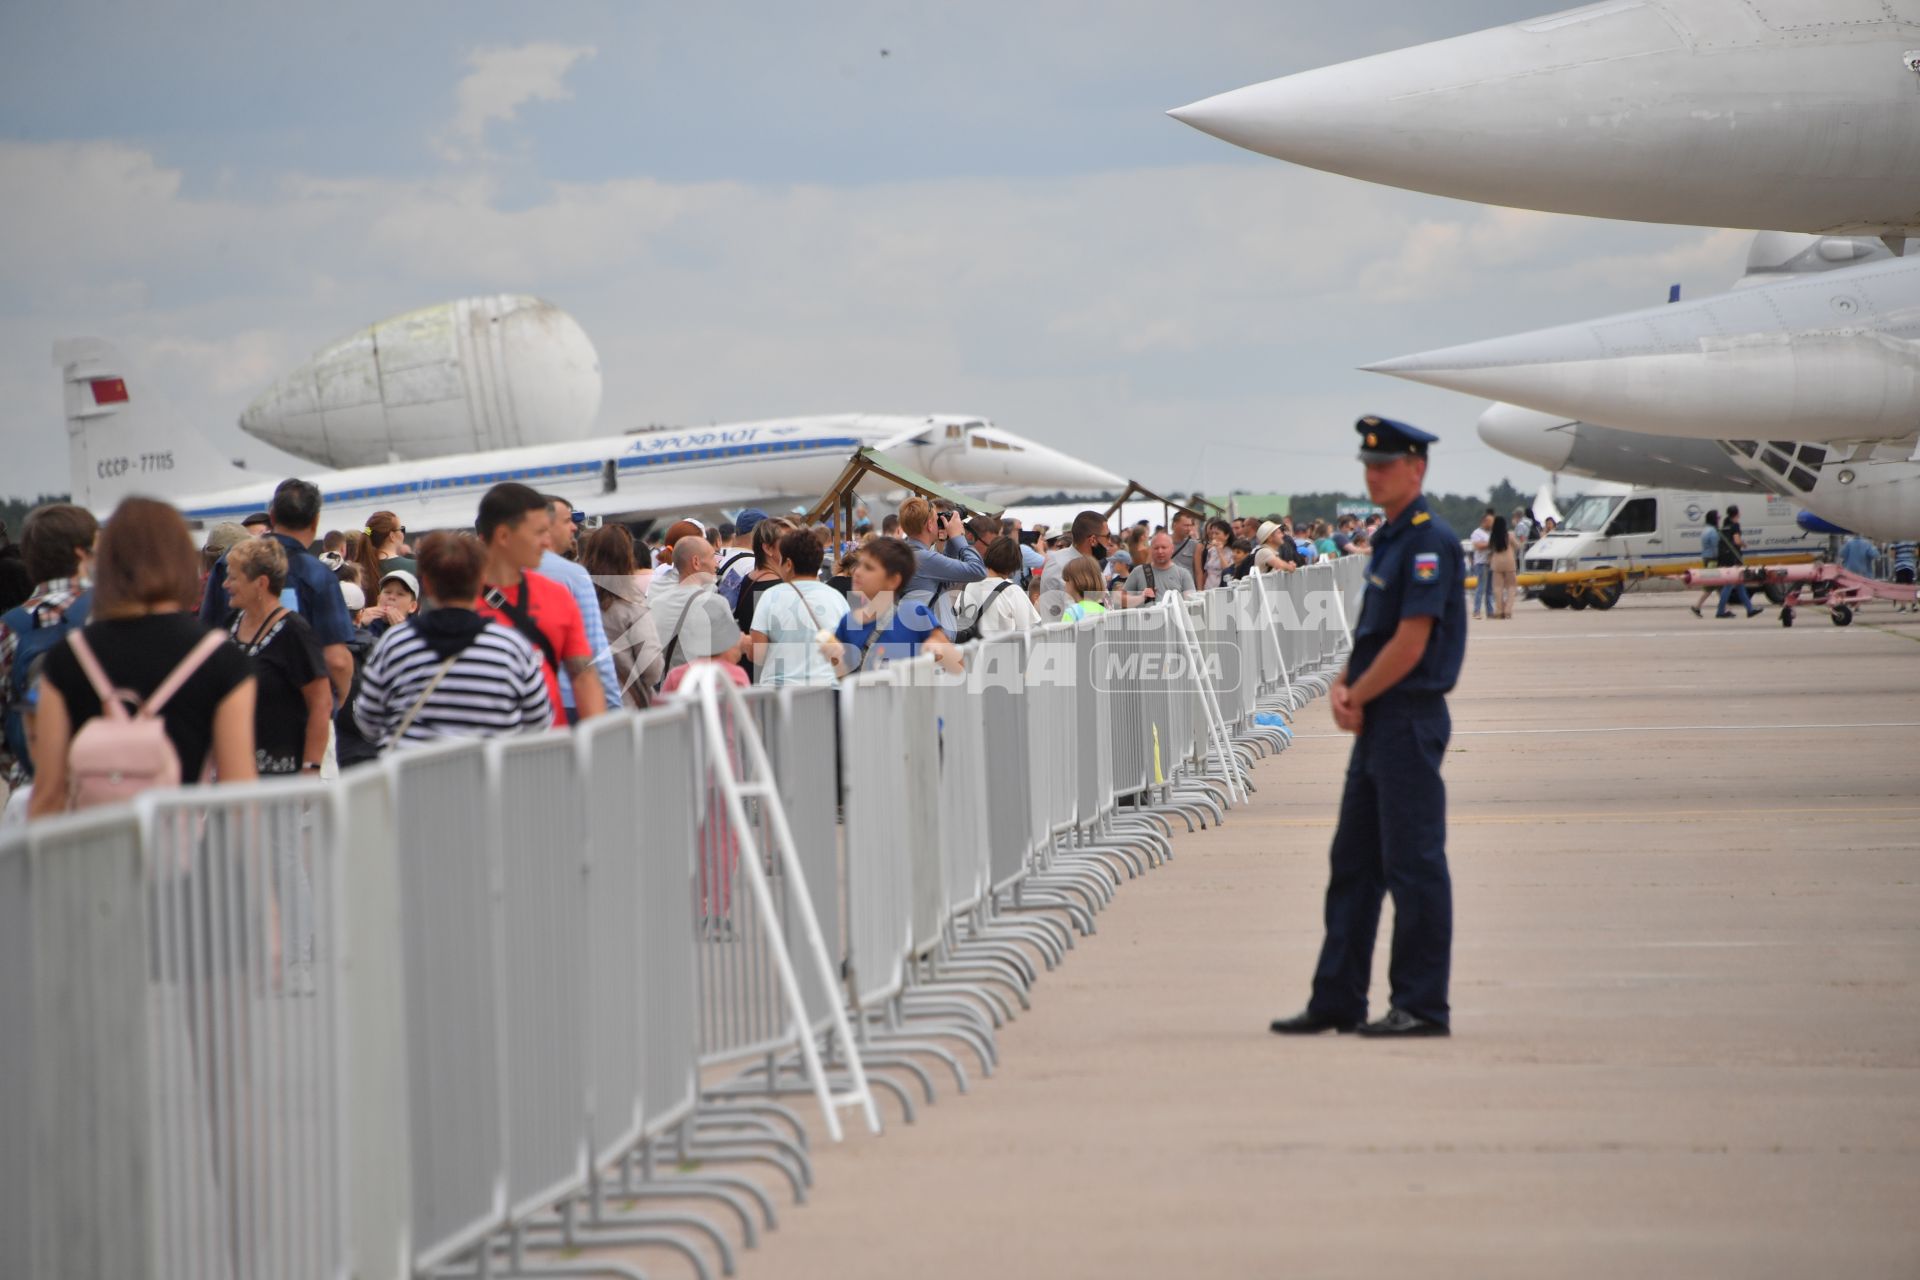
pixel 556 616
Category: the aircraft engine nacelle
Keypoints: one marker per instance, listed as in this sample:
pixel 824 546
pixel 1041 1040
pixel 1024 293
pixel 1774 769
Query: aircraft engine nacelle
pixel 480 373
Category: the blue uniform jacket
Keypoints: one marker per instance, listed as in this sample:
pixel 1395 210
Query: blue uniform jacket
pixel 1415 571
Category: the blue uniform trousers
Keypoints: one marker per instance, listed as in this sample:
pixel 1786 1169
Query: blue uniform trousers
pixel 1392 838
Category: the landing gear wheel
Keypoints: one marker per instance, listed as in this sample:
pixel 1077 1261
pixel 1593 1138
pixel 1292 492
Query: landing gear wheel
pixel 1842 615
pixel 1776 593
pixel 1554 599
pixel 1604 597
pixel 1786 616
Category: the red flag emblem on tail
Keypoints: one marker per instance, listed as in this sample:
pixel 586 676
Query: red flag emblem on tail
pixel 109 390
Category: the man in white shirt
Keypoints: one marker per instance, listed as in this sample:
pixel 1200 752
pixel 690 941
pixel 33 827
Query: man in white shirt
pixel 1088 531
pixel 996 605
pixel 735 560
pixel 693 563
pixel 1482 539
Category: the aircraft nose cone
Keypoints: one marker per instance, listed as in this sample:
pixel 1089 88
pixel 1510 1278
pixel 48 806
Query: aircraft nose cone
pixel 1513 368
pixel 1306 119
pixel 1540 438
pixel 1598 111
pixel 1084 477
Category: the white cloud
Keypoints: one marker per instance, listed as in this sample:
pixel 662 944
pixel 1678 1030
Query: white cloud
pixel 501 81
pixel 1149 320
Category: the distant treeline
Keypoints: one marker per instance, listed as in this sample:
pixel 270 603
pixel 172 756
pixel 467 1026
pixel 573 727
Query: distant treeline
pixel 13 511
pixel 1460 510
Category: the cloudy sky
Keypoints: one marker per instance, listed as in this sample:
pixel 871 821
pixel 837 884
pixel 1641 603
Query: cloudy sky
pixel 753 212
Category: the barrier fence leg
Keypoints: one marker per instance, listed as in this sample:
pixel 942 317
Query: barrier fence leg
pixel 709 688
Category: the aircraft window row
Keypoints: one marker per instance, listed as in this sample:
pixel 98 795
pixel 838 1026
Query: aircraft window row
pixel 569 469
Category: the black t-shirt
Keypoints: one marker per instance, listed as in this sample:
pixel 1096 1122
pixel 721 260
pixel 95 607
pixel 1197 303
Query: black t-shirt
pixel 1731 552
pixel 286 659
pixel 137 654
pixel 750 593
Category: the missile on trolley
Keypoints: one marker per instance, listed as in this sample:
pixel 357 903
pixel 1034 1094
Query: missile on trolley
pixel 1831 357
pixel 1793 115
pixel 1555 444
pixel 497 372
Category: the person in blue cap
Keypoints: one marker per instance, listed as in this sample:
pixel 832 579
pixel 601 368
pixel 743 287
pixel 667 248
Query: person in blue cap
pixel 735 559
pixel 1392 836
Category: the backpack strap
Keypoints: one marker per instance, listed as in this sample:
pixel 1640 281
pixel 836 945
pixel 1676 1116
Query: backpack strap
pixel 987 604
pixel 673 641
pixel 406 721
pixel 811 616
pixel 111 704
pixel 182 673
pixel 522 619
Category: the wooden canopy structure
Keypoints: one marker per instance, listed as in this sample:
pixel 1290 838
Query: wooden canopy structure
pixel 1135 489
pixel 838 502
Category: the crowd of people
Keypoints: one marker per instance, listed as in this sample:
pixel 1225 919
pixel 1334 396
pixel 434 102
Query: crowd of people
pixel 341 645
pixel 331 647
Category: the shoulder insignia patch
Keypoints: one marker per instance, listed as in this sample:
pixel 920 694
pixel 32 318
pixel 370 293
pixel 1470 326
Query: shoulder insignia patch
pixel 1422 518
pixel 1426 567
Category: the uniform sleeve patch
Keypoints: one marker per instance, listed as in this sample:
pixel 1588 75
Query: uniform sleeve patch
pixel 1422 518
pixel 1426 567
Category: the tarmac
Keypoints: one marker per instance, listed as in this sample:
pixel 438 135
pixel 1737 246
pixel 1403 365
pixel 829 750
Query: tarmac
pixel 1686 863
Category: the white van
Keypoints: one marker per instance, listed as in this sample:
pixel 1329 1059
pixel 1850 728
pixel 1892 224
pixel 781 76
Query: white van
pixel 1649 527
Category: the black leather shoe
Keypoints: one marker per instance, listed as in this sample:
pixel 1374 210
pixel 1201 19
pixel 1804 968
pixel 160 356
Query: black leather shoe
pixel 1399 1024
pixel 1309 1023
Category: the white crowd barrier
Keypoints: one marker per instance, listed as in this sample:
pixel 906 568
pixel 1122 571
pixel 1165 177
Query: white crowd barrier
pixel 381 1027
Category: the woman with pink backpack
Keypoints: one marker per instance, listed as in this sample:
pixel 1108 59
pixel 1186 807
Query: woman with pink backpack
pixel 143 696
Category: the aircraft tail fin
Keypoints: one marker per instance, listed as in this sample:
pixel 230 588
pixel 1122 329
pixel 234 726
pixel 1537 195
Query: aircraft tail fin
pixel 110 453
pixel 1544 507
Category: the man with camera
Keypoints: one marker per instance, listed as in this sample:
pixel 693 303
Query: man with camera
pixel 954 564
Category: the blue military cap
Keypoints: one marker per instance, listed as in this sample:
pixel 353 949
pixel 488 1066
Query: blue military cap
pixel 1383 439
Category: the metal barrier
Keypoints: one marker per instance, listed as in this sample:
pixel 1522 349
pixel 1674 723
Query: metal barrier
pixel 243 1036
pixel 379 1027
pixel 456 1032
pixel 78 1158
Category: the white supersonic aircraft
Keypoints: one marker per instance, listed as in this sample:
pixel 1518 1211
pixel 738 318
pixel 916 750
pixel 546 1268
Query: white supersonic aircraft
pixel 649 474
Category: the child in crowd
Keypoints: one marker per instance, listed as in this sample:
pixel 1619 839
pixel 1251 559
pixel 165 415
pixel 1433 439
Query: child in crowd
pixel 1082 580
pixel 398 600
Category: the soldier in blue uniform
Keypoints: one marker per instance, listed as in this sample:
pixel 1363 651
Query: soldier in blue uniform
pixel 1392 836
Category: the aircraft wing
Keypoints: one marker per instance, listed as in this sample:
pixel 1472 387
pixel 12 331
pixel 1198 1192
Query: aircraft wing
pixel 431 506
pixel 653 500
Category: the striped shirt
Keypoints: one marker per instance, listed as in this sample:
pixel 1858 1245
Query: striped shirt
pixel 497 685
pixel 1903 556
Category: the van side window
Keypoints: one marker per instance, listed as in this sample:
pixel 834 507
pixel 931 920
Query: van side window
pixel 1635 517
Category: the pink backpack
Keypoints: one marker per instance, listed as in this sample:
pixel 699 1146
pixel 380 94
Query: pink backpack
pixel 116 756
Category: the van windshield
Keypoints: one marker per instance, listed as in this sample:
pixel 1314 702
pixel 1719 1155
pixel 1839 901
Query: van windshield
pixel 1590 516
